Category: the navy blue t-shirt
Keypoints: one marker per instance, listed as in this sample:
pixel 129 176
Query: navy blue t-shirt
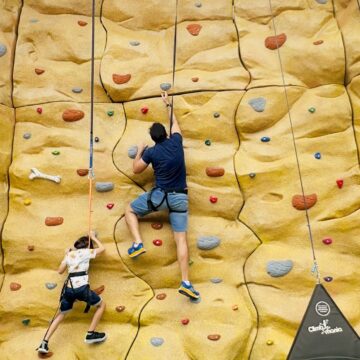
pixel 167 159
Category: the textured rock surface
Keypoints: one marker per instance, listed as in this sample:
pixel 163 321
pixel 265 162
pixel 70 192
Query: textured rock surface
pixel 227 99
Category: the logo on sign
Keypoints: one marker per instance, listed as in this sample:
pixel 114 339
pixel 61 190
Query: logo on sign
pixel 324 328
pixel 322 308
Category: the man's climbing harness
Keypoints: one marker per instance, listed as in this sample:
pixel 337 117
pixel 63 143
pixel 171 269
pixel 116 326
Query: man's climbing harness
pixel 153 207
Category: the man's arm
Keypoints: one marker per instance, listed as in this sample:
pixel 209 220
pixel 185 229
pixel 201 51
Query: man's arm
pixel 139 165
pixel 100 249
pixel 175 128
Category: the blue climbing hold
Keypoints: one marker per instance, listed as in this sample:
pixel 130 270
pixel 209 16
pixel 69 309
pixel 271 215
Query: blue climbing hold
pixel 317 156
pixel 322 2
pixel 208 242
pixel 258 104
pixel 2 50
pixel 104 186
pixel 265 139
pixel 279 268
pixel 156 341
pixel 26 322
pixel 165 86
pixel 50 286
pixel 216 280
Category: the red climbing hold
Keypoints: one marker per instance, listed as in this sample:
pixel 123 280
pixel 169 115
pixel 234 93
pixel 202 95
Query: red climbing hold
pixel 215 171
pixel 161 296
pixel 195 79
pixel 144 109
pixel 99 290
pixel 39 71
pixel 340 183
pixel 318 42
pixel 194 29
pixel 54 221
pixel 71 115
pixel 300 202
pixel 45 356
pixel 110 206
pixel 14 286
pixel 82 23
pixel 39 110
pixel 327 241
pixel 273 42
pixel 185 321
pixel 157 226
pixel 31 247
pixel 213 199
pixel 157 242
pixel 121 79
pixel 82 172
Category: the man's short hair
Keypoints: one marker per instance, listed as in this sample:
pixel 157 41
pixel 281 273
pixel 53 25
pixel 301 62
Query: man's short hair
pixel 82 243
pixel 158 132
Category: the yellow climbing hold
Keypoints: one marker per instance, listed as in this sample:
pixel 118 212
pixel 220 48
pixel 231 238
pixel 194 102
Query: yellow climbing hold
pixel 269 342
pixel 27 202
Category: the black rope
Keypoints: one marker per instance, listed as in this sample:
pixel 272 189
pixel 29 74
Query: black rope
pixel 174 66
pixel 316 268
pixel 91 159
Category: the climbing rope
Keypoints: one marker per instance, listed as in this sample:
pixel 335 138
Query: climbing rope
pixel 315 268
pixel 174 65
pixel 91 148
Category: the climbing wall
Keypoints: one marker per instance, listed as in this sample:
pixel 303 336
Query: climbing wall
pixel 250 254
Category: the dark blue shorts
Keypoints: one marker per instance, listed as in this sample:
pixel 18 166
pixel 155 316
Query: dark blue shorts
pixel 83 293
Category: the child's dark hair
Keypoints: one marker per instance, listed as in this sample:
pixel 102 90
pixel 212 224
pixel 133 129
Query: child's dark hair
pixel 158 132
pixel 83 243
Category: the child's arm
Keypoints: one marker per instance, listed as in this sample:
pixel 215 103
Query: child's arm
pixel 62 266
pixel 100 249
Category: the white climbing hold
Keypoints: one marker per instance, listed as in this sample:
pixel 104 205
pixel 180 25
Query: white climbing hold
pixel 36 174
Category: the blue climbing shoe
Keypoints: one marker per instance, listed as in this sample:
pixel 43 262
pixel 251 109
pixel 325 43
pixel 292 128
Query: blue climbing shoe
pixel 189 291
pixel 136 251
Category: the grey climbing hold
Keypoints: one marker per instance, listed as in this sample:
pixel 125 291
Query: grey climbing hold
pixel 195 301
pixel 50 286
pixel 132 151
pixel 198 4
pixel 322 2
pixel 34 21
pixel 26 322
pixel 165 86
pixel 279 268
pixel 258 104
pixel 216 115
pixel 134 43
pixel 27 136
pixel 77 90
pixel 156 341
pixel 317 156
pixel 104 186
pixel 2 50
pixel 265 139
pixel 252 175
pixel 216 280
pixel 208 242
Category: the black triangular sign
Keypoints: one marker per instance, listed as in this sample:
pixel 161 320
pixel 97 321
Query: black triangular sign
pixel 324 332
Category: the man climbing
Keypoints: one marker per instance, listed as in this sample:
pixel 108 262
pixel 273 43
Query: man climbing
pixel 169 193
pixel 76 287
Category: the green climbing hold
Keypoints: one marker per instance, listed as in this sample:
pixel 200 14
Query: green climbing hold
pixel 56 152
pixel 208 142
pixel 312 110
pixel 26 322
pixel 190 262
pixel 110 113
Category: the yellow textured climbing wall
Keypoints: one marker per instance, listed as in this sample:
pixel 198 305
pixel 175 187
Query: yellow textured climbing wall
pixel 254 275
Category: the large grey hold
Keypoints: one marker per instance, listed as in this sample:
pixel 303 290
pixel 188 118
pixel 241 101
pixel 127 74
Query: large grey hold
pixel 279 268
pixel 104 186
pixel 50 286
pixel 208 242
pixel 132 151
pixel 2 50
pixel 134 43
pixel 165 86
pixel 216 280
pixel 156 341
pixel 321 1
pixel 258 104
pixel 198 4
pixel 77 90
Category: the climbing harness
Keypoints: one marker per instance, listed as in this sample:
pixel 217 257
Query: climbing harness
pixel 315 268
pixel 153 207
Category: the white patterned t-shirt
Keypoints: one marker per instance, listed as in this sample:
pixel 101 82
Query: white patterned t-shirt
pixel 76 261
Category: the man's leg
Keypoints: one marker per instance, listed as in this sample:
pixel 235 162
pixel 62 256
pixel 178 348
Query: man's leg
pixel 182 254
pixel 54 325
pixel 97 316
pixel 133 224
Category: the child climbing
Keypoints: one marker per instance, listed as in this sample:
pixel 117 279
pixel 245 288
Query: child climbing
pixel 170 192
pixel 76 287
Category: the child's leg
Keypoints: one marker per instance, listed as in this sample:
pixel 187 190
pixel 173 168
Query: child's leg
pixel 97 316
pixel 54 325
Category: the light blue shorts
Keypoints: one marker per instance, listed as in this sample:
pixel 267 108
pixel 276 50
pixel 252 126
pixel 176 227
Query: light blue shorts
pixel 177 202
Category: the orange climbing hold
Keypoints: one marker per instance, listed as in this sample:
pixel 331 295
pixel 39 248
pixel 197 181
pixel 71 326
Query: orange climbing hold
pixel 194 29
pixel 82 172
pixel 215 171
pixel 99 290
pixel 318 42
pixel 121 79
pixel 39 71
pixel 15 286
pixel 54 221
pixel 31 247
pixel 72 115
pixel 82 23
pixel 214 337
pixel 161 296
pixel 120 308
pixel 195 79
pixel 273 42
pixel 300 202
pixel 45 356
